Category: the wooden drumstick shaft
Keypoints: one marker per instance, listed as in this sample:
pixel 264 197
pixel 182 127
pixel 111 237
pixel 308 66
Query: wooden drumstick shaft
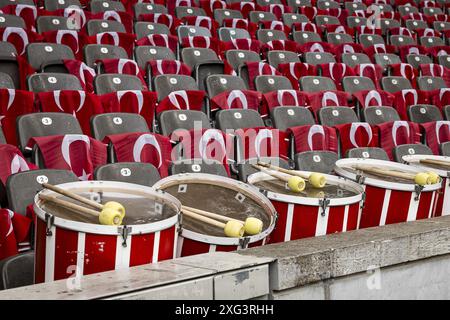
pixel 199 217
pixel 73 196
pixel 272 173
pixel 211 214
pixel 69 205
pixel 283 170
pixel 386 172
pixel 435 162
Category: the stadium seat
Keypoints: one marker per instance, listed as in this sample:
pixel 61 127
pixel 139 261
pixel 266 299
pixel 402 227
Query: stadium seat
pixel 285 117
pixel 444 149
pixel 421 113
pixel 228 34
pixel 354 6
pixel 429 42
pixel 97 6
pixel 316 58
pixel 132 172
pixel 446 112
pixel 353 22
pixel 444 60
pixel 107 83
pixel 370 152
pixel 222 14
pixel 148 8
pixel 106 124
pixel 377 115
pixel 203 62
pixel 276 57
pixel 407 9
pixel 237 57
pixel 355 84
pixel 165 84
pixel 94 52
pixel 327 4
pixel 197 166
pixel 6 81
pixel 192 31
pixel 302 37
pixel 368 40
pixel 96 26
pixel 216 84
pixel 181 12
pixel 42 82
pixel 399 40
pixel 50 23
pixel 316 161
pixel 290 18
pixel 354 59
pixel 2 137
pixel 17 271
pixel 431 83
pixel 143 29
pixel 171 120
pixel 417 59
pixel 52 5
pixel 48 57
pixel 260 16
pixel 326 20
pixel 409 149
pixel 339 38
pixel 267 35
pixel 144 54
pixel 395 84
pixel 333 116
pixel 415 24
pixel 316 84
pixel 9 20
pixel 266 84
pixel 386 59
pixel 238 119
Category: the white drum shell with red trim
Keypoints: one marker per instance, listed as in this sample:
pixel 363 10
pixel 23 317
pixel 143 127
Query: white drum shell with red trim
pixel 191 243
pixel 387 201
pixel 443 202
pixel 65 248
pixel 301 217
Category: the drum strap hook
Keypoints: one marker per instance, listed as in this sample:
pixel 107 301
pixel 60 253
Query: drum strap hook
pixel 243 242
pixel 124 232
pixel 323 203
pixel 418 190
pixel 360 179
pixel 49 221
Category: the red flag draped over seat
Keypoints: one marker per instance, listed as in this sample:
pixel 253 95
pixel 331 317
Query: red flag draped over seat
pixel 284 98
pixel 83 72
pixel 336 71
pixel 118 39
pixel 123 66
pixel 14 233
pixel 371 71
pixel 408 97
pixel 210 5
pixel 262 142
pixel 295 70
pixel 395 133
pixel 374 98
pixel 201 21
pixel 237 99
pixel 356 135
pixel 182 100
pixel 170 21
pixel 440 98
pixel 71 38
pixel 242 44
pixel 330 98
pixel 259 69
pixel 245 7
pixel 19 38
pixel 436 132
pixel 435 70
pixel 200 42
pixel 27 12
pixel 159 40
pixel 159 67
pixel 12 161
pixel 314 137
pixel 404 70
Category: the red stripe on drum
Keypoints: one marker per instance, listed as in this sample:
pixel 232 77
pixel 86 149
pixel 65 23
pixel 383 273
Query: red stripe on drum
pixel 335 219
pixel 40 251
pixel 399 206
pixel 353 216
pixel 371 213
pixel 440 200
pixel 256 244
pixel 66 252
pixel 304 222
pixel 191 247
pixel 100 253
pixel 279 231
pixel 226 248
pixel 141 249
pixel 166 244
pixel 425 205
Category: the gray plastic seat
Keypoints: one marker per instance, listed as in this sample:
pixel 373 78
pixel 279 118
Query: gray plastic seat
pixel 198 166
pixel 6 81
pixel 43 124
pixel 276 57
pixel 48 57
pixel 192 31
pixel 368 40
pixel 444 60
pixel 354 84
pixel 316 84
pixel 21 187
pixel 260 16
pixel 431 83
pixel 181 12
pixel 267 35
pixel 422 113
pixel 141 173
pixel 172 120
pixel 165 84
pixel 429 42
pixel 222 14
pixel 299 3
pixel 268 2
pixel 327 4
pixel 397 40
pixel 387 24
pixel 316 161
pixel 143 29
pixel 447 112
pixel 444 149
pixel 385 59
pixel 9 20
pixel 353 22
pixel 228 34
pixel 204 62
pixel 285 117
pixel 144 54
pixel 245 168
pixel 316 58
pixel 355 6
pixel 417 59
pixel 407 9
pixel 431 11
pixel 96 26
pixel 2 137
pixel 51 23
pixel 410 149
pixel 106 124
pixel 94 52
pixel 148 8
pixel 9 64
pixel 290 18
pixel 333 116
pixel 52 5
pixel 354 59
pixel 4 3
pixel 17 271
pixel 415 24
pixel 367 153
pixel 395 84
pixel 302 37
pixel 339 38
pixel 218 83
pixel 441 26
pixel 42 82
pixel 326 20
pixel 107 83
pixel 97 6
pixel 238 119
pixel 237 57
pixel 266 84
pixel 377 115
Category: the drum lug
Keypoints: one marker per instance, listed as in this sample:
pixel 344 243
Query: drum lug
pixel 363 200
pixel 243 242
pixel 49 221
pixel 360 179
pixel 323 203
pixel 418 190
pixel 124 231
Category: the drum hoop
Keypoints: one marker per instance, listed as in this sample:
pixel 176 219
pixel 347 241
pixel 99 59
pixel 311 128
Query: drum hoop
pixel 382 183
pixel 413 160
pixel 112 230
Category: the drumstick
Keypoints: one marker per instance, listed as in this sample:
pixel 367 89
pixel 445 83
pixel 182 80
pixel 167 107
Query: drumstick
pixel 232 228
pixel 436 162
pixel 294 183
pixel 110 204
pixel 421 178
pixel 251 225
pixel 107 216
pixel 316 179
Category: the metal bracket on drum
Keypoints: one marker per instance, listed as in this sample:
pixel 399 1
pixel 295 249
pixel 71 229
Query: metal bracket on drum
pixel 323 203
pixel 360 179
pixel 243 242
pixel 418 190
pixel 49 221
pixel 124 231
pixel 363 200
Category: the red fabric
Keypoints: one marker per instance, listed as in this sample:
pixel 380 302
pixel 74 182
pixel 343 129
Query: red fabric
pixel 124 66
pixel 245 7
pixel 118 39
pixel 379 48
pixel 159 67
pixel 80 104
pixel 316 47
pixel 167 19
pixel 337 29
pixel 439 51
pixel 210 5
pixel 356 135
pixel 440 98
pixel 404 70
pixel 172 4
pixel 14 103
pixel 403 51
pixel 77 15
pixel 142 147
pixel 182 100
pixel 436 132
pixel 200 42
pixel 295 70
pixel 131 101
pixel 370 70
pixel 277 9
pixel 78 153
pixel 284 98
pixel 435 70
pixel 73 39
pixel 237 99
pixel 83 72
pixel 18 37
pixel 12 162
pixel 405 98
pixel 374 98
pixel 123 17
pixel 24 71
pixel 347 48
pixel 314 137
pixel 242 44
pixel 259 69
pixel 427 32
pixel 336 71
pixel 339 13
pixel 202 21
pixel 241 24
pixel 401 31
pixel 310 12
pixel 263 142
pixel 14 233
pixel 26 12
pixel 395 133
pixel 330 98
pixel 304 26
pixel 367 30
pixel 284 45
pixel 275 25
pixel 159 40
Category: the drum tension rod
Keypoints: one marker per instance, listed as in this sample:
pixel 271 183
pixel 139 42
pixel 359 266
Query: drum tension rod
pixel 243 242
pixel 418 190
pixel 360 179
pixel 323 203
pixel 49 221
pixel 124 231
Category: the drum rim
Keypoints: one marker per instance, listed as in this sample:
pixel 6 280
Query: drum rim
pixel 310 201
pixel 412 160
pixel 379 182
pixel 145 228
pixel 214 240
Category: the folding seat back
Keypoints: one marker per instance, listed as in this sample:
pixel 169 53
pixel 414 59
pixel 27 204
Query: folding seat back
pixel 285 117
pixel 327 4
pixel 204 62
pixel 326 20
pixel 422 113
pixel 316 161
pixel 316 58
pixel 429 42
pixel 259 16
pixel 228 34
pixel 237 57
pixel 355 84
pixel 216 84
pixel 222 14
pixel 431 11
pixel 333 116
pixel 354 59
pixel 96 26
pixel 446 112
pixel 21 187
pixel 238 119
pixel 48 57
pixel 4 3
pixel 9 64
pixel 181 12
pixel 106 124
pixel 444 60
pixel 268 2
pixel 377 115
pixel 290 18
pixel 97 6
pixel 410 149
pixel 9 20
pixel 316 84
pixel 407 9
pixel 143 29
pixel 94 52
pixel 395 84
pixel 367 153
pixel 144 54
pixel 267 35
pixel 148 8
pixel 415 24
pixel 353 22
pixel 431 83
pixel 17 271
pixel 2 137
pixel 444 149
pixel 303 37
pixel 45 124
pixel 198 166
pixel 276 57
pixel 385 59
pixel 107 83
pixel 51 5
pixel 368 40
pixel 172 120
pixel 339 38
pixel 50 23
pixel 441 26
pixel 266 84
pixel 41 82
pixel 6 81
pixel 387 24
pixel 132 172
pixel 192 31
pixel 165 84
pixel 398 40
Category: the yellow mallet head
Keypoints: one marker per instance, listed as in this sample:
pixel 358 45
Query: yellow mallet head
pixel 422 178
pixel 317 180
pixel 110 217
pixel 234 229
pixel 296 184
pixel 253 226
pixel 116 206
pixel 434 177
